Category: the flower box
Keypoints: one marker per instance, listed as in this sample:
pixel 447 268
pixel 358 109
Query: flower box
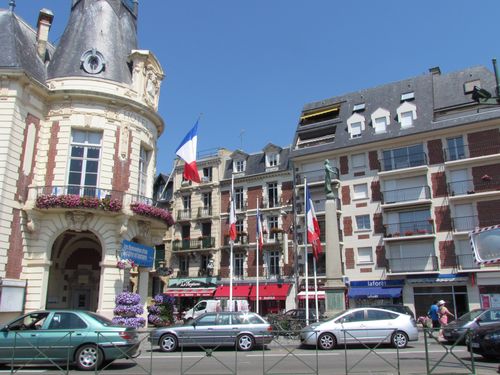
pixel 409 233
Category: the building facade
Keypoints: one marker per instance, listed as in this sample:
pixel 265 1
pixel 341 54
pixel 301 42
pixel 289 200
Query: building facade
pixel 418 169
pixel 80 127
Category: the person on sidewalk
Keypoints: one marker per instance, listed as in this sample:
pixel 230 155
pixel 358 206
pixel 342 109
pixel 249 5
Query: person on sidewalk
pixel 444 313
pixel 433 314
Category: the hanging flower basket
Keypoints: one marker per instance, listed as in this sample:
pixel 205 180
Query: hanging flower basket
pixel 125 264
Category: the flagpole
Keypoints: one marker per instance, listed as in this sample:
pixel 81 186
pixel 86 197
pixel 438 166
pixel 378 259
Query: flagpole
pixel 168 180
pixel 316 289
pixel 305 251
pixel 258 231
pixel 231 242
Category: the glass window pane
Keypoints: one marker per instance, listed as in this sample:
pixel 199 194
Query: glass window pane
pixel 77 152
pixel 94 138
pixel 92 166
pixel 90 180
pixel 93 153
pixel 74 178
pixel 75 165
pixel 78 136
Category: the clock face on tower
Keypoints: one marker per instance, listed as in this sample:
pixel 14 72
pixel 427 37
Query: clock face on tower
pixel 92 61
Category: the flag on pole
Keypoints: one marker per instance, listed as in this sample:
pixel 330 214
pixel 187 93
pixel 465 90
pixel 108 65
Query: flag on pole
pixel 187 152
pixel 232 213
pixel 260 235
pixel 313 231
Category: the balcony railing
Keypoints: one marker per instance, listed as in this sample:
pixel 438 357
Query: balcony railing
pixel 466 262
pixel 81 191
pixel 469 223
pixel 315 176
pixel 406 161
pixel 471 187
pixel 406 194
pixel 471 151
pixel 204 212
pixel 193 244
pixel 414 264
pixel 241 239
pixel 411 228
pixel 184 214
pixel 319 206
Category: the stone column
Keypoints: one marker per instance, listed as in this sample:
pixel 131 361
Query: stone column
pixel 334 286
pixel 142 289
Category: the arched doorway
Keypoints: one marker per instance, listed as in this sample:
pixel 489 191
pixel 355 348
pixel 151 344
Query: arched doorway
pixel 75 271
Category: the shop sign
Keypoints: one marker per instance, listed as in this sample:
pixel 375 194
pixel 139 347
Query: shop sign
pixel 377 283
pixel 205 282
pixel 141 255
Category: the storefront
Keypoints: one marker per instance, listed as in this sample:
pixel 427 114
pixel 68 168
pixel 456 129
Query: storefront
pixel 270 297
pixel 451 288
pixel 489 289
pixel 311 296
pixel 189 291
pixel 375 292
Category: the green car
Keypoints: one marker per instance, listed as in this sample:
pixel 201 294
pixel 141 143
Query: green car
pixel 66 336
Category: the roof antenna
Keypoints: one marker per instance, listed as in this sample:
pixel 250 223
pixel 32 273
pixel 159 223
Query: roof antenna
pixel 12 5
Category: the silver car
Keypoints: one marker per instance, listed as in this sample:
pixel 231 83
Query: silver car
pixel 243 330
pixel 361 325
pixel 457 329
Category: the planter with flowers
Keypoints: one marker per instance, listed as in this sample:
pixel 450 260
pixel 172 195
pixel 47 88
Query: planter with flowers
pixel 76 201
pixel 125 264
pixel 154 212
pixel 128 306
pixel 486 178
pixel 161 313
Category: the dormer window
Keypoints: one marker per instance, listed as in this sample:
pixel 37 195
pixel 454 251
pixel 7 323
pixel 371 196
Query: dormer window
pixel 380 120
pixel 239 166
pixel 272 160
pixel 355 125
pixel 407 113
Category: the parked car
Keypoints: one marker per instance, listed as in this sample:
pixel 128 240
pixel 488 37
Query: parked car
pixel 471 320
pixel 52 335
pixel 486 341
pixel 361 325
pixel 403 309
pixel 243 330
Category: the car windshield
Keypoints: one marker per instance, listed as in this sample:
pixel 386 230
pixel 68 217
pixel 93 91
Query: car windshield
pixel 101 319
pixel 471 315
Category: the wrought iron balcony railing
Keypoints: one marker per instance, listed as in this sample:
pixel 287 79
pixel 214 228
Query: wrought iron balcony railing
pixel 410 228
pixel 471 187
pixel 471 151
pixel 406 161
pixel 315 176
pixel 204 211
pixel 413 264
pixel 466 262
pixel 406 194
pixel 184 214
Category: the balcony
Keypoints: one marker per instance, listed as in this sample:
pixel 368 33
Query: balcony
pixel 194 244
pixel 405 161
pixel 241 239
pixel 470 223
pixel 204 212
pixel 414 264
pixel 420 194
pixel 471 151
pixel 184 214
pixel 409 229
pixel 319 206
pixel 466 262
pixel 468 187
pixel 315 177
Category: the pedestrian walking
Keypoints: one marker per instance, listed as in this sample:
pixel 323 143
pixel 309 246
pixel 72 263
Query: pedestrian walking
pixel 444 314
pixel 433 314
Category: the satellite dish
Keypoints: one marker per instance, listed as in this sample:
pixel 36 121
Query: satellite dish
pixel 485 243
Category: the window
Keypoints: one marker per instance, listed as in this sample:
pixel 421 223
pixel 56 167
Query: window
pixel 184 265
pixel 206 263
pixel 238 199
pixel 404 157
pixel 360 191
pixel 84 162
pixel 186 202
pixel 66 321
pixel 380 315
pixel 272 194
pixel 356 130
pixel 239 166
pixel 272 160
pixel 365 255
pixel 143 171
pixel 207 200
pixel 207 174
pixel 363 222
pixel 358 161
pixel 456 149
pixel 207 320
pixel 238 260
pixel 355 125
pixel 356 316
pixel 380 125
pixel 273 263
pixel 407 119
pixel 239 226
pixel 272 222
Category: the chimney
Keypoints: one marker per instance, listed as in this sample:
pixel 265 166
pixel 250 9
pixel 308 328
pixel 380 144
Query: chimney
pixel 435 71
pixel 44 22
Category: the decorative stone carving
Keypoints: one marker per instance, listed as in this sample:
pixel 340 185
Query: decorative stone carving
pixel 78 220
pixel 124 140
pixel 144 228
pixel 124 228
pixel 152 86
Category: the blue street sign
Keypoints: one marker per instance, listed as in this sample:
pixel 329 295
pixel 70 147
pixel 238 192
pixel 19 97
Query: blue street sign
pixel 141 255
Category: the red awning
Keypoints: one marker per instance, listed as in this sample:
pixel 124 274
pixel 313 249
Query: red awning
pixel 239 291
pixel 311 295
pixel 190 292
pixel 270 292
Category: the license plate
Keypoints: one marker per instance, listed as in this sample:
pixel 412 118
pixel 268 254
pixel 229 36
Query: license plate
pixel 475 345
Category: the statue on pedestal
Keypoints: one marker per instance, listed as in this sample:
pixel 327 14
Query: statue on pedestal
pixel 329 174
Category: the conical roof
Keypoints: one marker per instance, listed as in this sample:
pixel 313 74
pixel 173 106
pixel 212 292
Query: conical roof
pixel 97 41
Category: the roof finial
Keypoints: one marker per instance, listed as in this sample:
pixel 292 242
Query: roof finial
pixel 12 5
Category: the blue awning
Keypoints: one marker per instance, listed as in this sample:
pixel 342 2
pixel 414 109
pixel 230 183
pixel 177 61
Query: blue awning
pixel 374 292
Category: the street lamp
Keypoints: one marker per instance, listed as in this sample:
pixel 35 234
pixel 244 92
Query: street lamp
pixel 483 96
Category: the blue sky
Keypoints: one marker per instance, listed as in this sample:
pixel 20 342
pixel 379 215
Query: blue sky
pixel 249 66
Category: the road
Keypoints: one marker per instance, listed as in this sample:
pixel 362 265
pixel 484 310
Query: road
pixel 285 357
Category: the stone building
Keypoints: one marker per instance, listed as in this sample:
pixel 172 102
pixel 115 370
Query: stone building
pixel 79 127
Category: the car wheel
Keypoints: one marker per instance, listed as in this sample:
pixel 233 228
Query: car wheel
pixel 399 339
pixel 89 357
pixel 168 343
pixel 327 341
pixel 245 342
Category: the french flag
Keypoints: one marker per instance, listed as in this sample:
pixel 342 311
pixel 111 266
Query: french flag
pixel 232 214
pixel 187 152
pixel 313 231
pixel 260 235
